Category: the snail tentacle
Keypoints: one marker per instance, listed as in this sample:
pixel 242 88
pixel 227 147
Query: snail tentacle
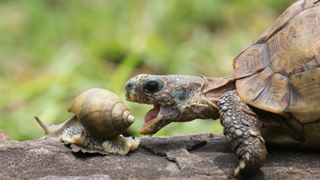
pixel 42 125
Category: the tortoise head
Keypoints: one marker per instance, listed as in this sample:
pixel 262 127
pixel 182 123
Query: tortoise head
pixel 175 98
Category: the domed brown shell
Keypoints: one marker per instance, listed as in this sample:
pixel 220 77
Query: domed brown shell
pixel 102 113
pixel 280 72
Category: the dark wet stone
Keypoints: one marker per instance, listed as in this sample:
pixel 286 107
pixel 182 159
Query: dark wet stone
pixel 204 156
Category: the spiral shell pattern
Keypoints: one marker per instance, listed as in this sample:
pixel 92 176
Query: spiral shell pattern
pixel 102 113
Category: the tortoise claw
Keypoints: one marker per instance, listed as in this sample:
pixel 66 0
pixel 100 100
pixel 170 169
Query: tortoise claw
pixel 242 165
pixel 242 127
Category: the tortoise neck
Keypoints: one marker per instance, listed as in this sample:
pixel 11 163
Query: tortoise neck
pixel 212 90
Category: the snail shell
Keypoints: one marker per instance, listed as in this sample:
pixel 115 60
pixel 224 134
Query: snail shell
pixel 101 113
pixel 100 118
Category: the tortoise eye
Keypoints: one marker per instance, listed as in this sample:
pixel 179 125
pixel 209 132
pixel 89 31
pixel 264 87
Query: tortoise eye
pixel 152 86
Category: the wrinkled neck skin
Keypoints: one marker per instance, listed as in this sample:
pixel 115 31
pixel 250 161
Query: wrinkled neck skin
pixel 205 101
pixel 177 98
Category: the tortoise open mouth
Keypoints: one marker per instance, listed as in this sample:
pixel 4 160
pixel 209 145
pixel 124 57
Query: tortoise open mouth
pixel 152 114
pixel 154 120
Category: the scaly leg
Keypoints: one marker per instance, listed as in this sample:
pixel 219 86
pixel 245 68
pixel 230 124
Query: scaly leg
pixel 242 129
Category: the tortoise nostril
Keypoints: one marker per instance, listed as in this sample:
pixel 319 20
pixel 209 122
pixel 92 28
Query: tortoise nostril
pixel 129 86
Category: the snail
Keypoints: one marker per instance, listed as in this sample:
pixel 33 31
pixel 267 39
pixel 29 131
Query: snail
pixel 100 117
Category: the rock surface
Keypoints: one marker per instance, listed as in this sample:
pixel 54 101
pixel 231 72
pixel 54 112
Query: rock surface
pixel 181 157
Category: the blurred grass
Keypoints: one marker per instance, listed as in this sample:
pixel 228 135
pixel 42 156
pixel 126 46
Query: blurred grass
pixel 51 50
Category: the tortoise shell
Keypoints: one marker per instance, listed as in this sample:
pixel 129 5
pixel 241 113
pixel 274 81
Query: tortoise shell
pixel 280 72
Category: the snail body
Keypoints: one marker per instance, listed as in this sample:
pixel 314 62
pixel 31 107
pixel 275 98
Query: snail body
pixel 100 117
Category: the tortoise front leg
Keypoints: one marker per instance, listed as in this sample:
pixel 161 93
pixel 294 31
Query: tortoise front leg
pixel 242 129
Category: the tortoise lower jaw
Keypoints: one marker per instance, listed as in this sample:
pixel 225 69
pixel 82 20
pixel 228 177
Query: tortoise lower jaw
pixel 150 127
pixel 153 125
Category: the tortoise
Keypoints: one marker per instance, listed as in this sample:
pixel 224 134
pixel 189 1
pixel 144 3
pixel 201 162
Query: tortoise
pixel 273 94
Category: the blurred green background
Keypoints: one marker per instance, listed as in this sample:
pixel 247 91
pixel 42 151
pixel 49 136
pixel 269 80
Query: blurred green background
pixel 51 50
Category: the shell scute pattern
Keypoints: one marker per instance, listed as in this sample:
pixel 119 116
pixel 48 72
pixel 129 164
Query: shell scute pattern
pixel 280 73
